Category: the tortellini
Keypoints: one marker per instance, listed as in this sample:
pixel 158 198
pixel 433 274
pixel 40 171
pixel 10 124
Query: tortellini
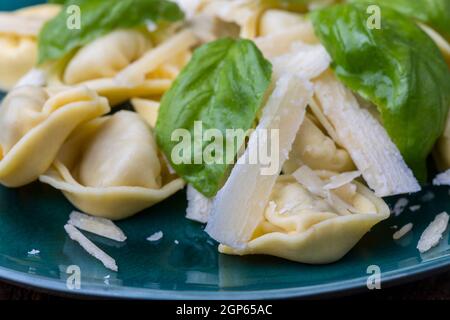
pixel 304 227
pixel 125 64
pixel 317 150
pixel 18 52
pixel 147 109
pixel 34 126
pixel 106 56
pixel 110 167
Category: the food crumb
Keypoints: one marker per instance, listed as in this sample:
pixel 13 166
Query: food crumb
pixel 33 252
pixel 399 206
pixel 414 208
pixel 156 236
pixel 433 233
pixel 176 242
pixel 427 197
pixel 403 230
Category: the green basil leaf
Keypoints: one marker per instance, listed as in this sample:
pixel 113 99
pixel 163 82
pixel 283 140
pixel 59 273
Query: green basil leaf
pixel 223 86
pixel 396 67
pixel 434 13
pixel 99 17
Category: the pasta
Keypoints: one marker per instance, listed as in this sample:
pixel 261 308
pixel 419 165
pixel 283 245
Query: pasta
pixel 132 66
pixel 314 148
pixel 18 32
pixel 147 109
pixel 303 227
pixel 122 47
pixel 110 168
pixel 35 125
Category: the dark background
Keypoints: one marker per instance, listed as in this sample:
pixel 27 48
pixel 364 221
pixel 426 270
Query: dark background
pixel 432 288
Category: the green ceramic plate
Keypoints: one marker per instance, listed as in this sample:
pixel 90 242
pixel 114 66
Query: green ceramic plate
pixel 185 263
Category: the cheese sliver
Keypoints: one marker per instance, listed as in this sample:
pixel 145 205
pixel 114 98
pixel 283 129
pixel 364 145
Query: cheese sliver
pixel 239 206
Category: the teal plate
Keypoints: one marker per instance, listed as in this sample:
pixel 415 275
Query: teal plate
pixel 185 264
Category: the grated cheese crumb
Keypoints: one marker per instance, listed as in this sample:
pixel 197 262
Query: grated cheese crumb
pixel 442 179
pixel 403 230
pixel 414 208
pixel 399 206
pixel 33 252
pixel 90 247
pixel 100 226
pixel 156 236
pixel 427 197
pixel 433 233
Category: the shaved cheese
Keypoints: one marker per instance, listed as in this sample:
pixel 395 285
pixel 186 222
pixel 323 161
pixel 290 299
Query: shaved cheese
pixel 279 43
pixel 34 77
pixel 403 231
pixel 91 248
pixel 310 180
pixel 433 233
pixel 308 60
pixel 199 206
pixel 427 197
pixel 442 179
pixel 156 236
pixel 100 226
pixel 236 211
pixel 365 139
pixel 400 206
pixel 342 179
pixel 136 72
pixel 314 184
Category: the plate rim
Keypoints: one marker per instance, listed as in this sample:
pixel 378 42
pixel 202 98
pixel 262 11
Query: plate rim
pixel 339 288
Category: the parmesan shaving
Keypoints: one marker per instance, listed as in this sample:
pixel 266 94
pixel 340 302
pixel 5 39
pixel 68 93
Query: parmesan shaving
pixel 308 60
pixel 156 236
pixel 279 43
pixel 341 180
pixel 236 213
pixel 310 180
pixel 90 247
pixel 433 233
pixel 100 226
pixel 403 231
pixel 442 179
pixel 400 206
pixel 199 206
pixel 34 77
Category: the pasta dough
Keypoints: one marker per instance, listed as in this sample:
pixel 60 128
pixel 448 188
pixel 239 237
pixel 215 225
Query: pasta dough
pixel 34 126
pixel 303 227
pixel 18 52
pixel 124 65
pixel 317 150
pixel 106 56
pixel 110 168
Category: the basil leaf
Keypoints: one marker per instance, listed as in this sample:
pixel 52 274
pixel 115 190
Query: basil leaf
pixel 99 17
pixel 434 13
pixel 397 67
pixel 223 86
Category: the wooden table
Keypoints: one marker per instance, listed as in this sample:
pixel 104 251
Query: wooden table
pixel 432 288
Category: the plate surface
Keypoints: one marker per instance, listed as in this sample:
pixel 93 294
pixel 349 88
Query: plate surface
pixel 33 218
